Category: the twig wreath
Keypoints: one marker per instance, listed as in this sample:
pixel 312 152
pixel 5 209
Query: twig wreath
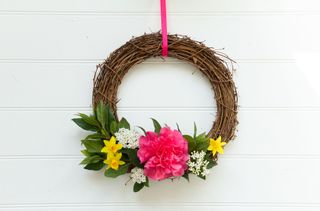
pixel 164 153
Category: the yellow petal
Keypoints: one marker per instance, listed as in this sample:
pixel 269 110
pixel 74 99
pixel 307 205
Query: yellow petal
pixel 116 167
pixel 104 150
pixel 118 156
pixel 220 150
pixel 106 161
pixel 105 142
pixel 219 139
pixel 223 143
pixel 113 140
pixel 121 162
pixel 214 151
pixel 119 146
pixel 110 156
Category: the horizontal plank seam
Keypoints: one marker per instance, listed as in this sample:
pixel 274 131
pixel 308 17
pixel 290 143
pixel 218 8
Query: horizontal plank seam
pixel 144 13
pixel 222 157
pixel 157 109
pixel 147 204
pixel 96 61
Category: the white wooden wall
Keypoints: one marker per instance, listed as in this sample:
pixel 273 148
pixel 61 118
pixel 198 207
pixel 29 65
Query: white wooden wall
pixel 48 53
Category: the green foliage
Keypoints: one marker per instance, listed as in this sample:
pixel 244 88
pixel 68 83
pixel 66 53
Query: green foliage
pixel 197 142
pixel 95 136
pixel 211 164
pixel 143 130
pixel 138 186
pixel 104 115
pixel 91 120
pixel 84 125
pixel 132 157
pixel 93 146
pixel 114 127
pixel 186 176
pixel 115 173
pixel 157 126
pixel 124 124
pixel 91 159
pixel 95 166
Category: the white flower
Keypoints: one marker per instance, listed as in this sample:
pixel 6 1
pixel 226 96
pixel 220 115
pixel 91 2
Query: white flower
pixel 137 175
pixel 197 164
pixel 128 138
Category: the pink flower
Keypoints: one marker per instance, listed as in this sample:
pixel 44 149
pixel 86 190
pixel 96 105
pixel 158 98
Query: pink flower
pixel 165 155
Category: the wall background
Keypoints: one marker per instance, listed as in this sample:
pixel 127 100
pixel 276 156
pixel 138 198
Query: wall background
pixel 48 53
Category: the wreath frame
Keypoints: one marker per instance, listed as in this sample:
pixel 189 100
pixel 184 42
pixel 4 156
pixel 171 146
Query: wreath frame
pixel 215 66
pixel 162 153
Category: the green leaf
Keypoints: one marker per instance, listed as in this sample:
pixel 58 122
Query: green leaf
pixel 201 138
pixel 202 177
pixel 93 146
pixel 110 116
pixel 102 115
pixel 124 124
pixel 191 142
pixel 105 134
pixel 194 130
pixel 144 131
pixel 211 163
pixel 202 146
pixel 95 136
pixel 114 127
pixel 178 128
pixel 133 157
pixel 89 119
pixel 91 159
pixel 115 173
pixel 157 126
pixel 186 176
pixel 137 186
pixel 86 153
pixel 146 182
pixel 95 166
pixel 202 142
pixel 84 125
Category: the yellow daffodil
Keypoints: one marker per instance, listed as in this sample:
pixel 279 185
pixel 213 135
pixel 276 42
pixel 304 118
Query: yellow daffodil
pixel 216 146
pixel 110 146
pixel 113 160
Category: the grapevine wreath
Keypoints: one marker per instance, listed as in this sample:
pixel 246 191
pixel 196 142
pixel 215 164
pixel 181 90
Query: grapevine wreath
pixel 165 153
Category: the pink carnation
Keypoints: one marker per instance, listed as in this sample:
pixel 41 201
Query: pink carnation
pixel 165 155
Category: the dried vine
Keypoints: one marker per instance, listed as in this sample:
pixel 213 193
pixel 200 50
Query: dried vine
pixel 212 64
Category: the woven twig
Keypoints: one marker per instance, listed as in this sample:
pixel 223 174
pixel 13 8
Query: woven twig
pixel 214 65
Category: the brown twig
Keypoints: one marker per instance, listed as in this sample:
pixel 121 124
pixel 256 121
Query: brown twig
pixel 213 64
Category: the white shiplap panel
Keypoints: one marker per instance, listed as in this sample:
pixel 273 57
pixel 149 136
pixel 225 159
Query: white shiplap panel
pixel 156 207
pixel 153 5
pixel 70 85
pixel 261 132
pixel 84 37
pixel 239 180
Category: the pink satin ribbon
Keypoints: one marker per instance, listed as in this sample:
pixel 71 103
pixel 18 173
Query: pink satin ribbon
pixel 164 28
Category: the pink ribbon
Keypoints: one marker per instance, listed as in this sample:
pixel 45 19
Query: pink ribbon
pixel 164 28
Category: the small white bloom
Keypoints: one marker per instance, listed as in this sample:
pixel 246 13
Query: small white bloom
pixel 197 164
pixel 137 175
pixel 128 138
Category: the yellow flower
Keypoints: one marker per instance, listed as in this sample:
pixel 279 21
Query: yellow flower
pixel 216 146
pixel 113 160
pixel 111 146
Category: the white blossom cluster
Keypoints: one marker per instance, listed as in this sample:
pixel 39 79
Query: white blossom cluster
pixel 197 164
pixel 137 175
pixel 128 138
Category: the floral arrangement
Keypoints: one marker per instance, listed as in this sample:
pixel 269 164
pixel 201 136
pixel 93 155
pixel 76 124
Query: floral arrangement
pixel 164 153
